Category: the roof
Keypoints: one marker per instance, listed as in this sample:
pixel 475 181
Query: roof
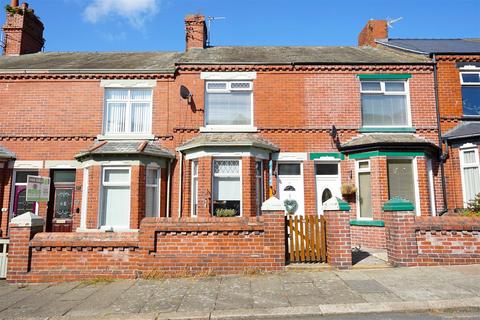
pixel 95 61
pixel 385 139
pixel 463 130
pixel 228 140
pixel 297 55
pixel 144 148
pixel 165 62
pixel 6 154
pixel 429 46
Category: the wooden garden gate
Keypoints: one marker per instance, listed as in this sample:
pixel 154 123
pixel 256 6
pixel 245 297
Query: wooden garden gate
pixel 306 239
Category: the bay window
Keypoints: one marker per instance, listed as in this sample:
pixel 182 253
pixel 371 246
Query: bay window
pixel 470 93
pixel 115 212
pixel 364 194
pixel 194 188
pixel 227 187
pixel 470 173
pixel 228 103
pixel 152 194
pixel 259 184
pixel 385 103
pixel 401 179
pixel 127 111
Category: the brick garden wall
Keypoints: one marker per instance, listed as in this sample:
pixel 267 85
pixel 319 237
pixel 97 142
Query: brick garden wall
pixel 420 241
pixel 368 237
pixel 162 247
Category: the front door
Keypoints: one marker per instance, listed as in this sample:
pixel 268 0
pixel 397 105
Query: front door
pixel 62 201
pixel 21 205
pixel 327 179
pixel 290 187
pixel 63 209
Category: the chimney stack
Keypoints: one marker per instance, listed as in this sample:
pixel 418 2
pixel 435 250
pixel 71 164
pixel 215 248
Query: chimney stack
pixel 374 29
pixel 195 32
pixel 23 31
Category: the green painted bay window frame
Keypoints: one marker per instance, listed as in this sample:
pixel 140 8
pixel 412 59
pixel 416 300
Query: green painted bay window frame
pixel 369 154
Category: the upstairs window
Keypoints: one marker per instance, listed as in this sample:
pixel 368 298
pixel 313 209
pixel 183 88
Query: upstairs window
pixel 470 93
pixel 385 104
pixel 228 103
pixel 128 111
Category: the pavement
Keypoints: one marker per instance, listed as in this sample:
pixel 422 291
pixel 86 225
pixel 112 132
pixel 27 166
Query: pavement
pixel 294 293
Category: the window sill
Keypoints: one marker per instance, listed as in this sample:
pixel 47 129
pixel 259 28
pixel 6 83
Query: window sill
pixel 105 229
pixel 126 137
pixel 228 129
pixel 387 130
pixel 367 223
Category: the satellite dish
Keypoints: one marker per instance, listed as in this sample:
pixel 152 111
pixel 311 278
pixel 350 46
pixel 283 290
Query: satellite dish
pixel 185 93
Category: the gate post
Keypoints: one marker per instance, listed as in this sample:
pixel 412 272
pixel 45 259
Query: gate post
pixel 273 214
pixel 400 231
pixel 339 243
pixel 22 230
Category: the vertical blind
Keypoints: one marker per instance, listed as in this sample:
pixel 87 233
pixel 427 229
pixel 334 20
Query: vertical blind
pixel 365 195
pixel 152 193
pixel 400 179
pixel 128 110
pixel 232 108
pixel 384 110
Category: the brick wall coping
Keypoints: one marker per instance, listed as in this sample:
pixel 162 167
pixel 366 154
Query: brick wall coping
pixel 210 224
pixel 447 223
pixel 85 239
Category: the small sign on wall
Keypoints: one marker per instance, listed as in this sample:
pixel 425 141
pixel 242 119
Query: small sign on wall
pixel 38 188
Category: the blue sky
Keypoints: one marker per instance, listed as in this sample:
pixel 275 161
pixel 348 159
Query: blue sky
pixel 148 25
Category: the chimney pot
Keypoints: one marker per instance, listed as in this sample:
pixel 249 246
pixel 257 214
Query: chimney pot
pixel 14 3
pixel 374 29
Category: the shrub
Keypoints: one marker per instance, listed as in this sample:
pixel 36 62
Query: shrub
pixel 473 207
pixel 225 212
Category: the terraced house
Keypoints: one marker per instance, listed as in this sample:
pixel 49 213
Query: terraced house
pixel 203 138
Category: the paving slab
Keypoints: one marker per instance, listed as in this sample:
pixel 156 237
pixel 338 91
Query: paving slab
pixel 19 295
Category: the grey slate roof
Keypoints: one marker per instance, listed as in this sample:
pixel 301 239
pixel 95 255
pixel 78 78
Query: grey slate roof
pixel 390 139
pixel 127 148
pixel 6 154
pixel 165 62
pixel 464 130
pixel 222 139
pixel 429 46
pixel 299 55
pixel 64 61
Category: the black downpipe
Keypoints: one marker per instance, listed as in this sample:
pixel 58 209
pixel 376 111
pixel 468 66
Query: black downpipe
pixel 439 129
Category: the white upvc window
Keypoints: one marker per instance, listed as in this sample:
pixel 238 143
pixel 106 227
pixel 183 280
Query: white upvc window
pixel 194 204
pixel 115 198
pixel 364 191
pixel 470 173
pixel 152 194
pixel 259 184
pixel 229 104
pixel 227 186
pixel 470 81
pixel 385 103
pixel 127 111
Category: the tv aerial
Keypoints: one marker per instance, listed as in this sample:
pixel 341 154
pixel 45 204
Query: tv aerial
pixel 390 22
pixel 209 22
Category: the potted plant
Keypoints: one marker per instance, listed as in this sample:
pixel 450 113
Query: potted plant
pixel 348 189
pixel 223 212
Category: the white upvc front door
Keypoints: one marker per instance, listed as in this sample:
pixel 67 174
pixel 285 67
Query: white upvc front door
pixel 290 184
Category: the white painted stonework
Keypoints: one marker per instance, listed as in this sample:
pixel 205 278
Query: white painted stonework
pixel 273 204
pixel 27 219
pixel 331 204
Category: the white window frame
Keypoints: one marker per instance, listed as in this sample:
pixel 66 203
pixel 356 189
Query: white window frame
pixel 357 185
pixel 259 179
pixel 228 89
pixel 467 148
pixel 103 184
pixel 156 186
pixel 431 187
pixel 382 91
pixel 415 181
pixel 469 84
pixel 12 193
pixel 228 176
pixel 128 116
pixel 194 199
